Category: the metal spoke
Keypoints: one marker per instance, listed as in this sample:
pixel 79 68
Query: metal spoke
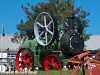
pixel 50 23
pixel 39 24
pixel 53 60
pixel 49 31
pixel 45 21
pixel 46 38
pixel 41 34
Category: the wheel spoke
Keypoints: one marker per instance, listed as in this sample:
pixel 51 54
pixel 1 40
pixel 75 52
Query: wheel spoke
pixel 50 23
pixel 53 60
pixel 39 24
pixel 45 24
pixel 41 34
pixel 46 38
pixel 49 31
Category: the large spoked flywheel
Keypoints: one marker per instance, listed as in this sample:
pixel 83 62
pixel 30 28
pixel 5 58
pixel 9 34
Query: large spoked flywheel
pixel 24 60
pixel 44 29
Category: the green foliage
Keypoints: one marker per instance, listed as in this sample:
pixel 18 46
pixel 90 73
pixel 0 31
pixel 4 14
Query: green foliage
pixel 61 11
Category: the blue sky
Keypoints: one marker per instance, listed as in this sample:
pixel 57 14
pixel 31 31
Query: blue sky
pixel 92 6
pixel 11 13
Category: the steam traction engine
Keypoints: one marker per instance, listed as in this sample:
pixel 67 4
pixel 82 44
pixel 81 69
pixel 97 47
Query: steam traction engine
pixel 51 44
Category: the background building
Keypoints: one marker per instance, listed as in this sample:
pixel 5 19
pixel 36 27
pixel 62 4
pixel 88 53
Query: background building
pixel 93 43
pixel 8 50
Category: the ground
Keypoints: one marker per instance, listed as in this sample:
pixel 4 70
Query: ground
pixel 52 72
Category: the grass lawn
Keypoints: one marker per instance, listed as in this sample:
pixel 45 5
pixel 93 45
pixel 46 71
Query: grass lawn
pixel 51 72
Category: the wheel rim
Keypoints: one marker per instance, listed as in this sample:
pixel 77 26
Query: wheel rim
pixel 44 29
pixel 51 61
pixel 24 60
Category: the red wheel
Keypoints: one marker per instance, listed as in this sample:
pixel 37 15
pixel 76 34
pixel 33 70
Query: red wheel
pixel 24 60
pixel 51 61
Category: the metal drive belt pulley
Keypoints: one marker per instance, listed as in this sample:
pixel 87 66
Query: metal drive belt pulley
pixel 44 29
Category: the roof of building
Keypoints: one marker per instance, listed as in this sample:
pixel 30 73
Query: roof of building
pixel 5 43
pixel 93 43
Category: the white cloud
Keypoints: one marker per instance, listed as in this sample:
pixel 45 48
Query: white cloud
pixel 93 43
pixel 5 43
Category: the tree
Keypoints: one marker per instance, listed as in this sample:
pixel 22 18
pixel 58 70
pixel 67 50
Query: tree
pixel 61 11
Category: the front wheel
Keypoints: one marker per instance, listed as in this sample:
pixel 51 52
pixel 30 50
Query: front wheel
pixel 51 62
pixel 24 60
